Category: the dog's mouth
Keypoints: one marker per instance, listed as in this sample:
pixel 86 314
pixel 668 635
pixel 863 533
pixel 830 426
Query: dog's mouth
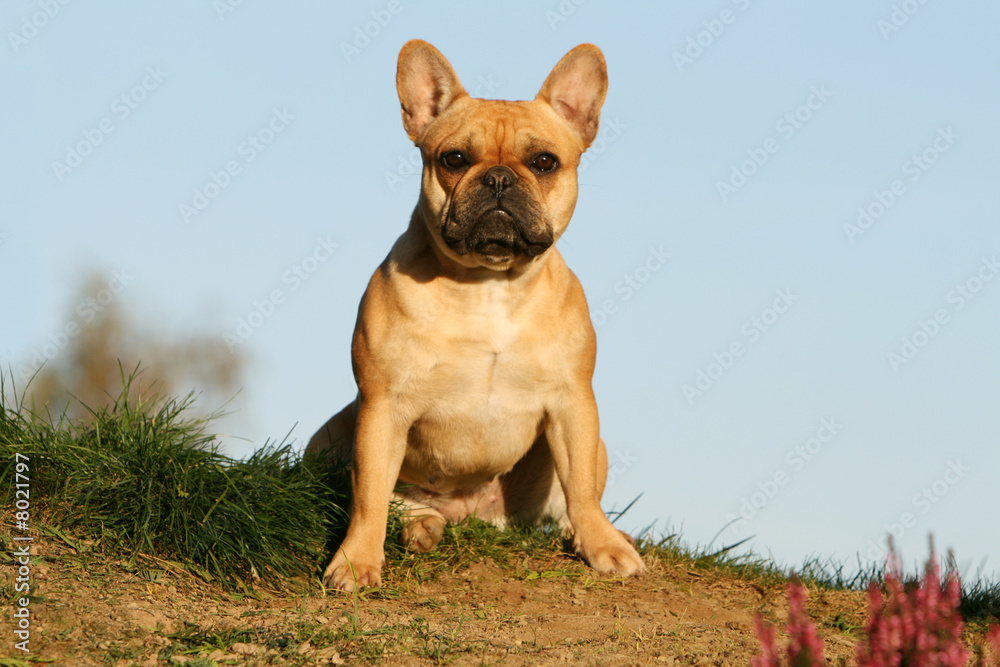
pixel 498 235
pixel 495 234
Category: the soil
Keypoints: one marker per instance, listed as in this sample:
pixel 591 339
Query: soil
pixel 539 612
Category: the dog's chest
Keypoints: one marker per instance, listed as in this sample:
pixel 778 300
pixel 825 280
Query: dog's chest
pixel 485 366
pixel 481 389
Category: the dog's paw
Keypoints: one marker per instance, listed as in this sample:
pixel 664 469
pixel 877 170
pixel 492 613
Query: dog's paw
pixel 629 539
pixel 614 556
pixel 423 533
pixel 343 574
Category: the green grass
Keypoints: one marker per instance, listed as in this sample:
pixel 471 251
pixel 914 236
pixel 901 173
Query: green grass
pixel 147 481
pixel 980 598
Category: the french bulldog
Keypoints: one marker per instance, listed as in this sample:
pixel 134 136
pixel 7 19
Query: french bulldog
pixel 473 349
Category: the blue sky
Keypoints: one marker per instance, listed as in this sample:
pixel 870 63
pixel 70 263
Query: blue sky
pixel 787 231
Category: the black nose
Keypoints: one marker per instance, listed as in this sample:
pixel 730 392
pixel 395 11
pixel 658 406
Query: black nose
pixel 499 178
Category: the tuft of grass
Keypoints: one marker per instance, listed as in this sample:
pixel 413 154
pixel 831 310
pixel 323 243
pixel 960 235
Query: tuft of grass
pixel 13 662
pixel 146 479
pixel 981 600
pixel 671 549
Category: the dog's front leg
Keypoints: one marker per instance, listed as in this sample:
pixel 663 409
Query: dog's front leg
pixel 379 447
pixel 573 434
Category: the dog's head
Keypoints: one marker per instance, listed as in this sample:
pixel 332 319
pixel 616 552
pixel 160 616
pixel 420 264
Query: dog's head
pixel 499 180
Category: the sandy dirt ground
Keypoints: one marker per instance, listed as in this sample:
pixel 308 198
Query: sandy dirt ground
pixel 537 612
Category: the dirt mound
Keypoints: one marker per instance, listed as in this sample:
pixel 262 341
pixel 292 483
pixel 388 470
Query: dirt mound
pixel 539 612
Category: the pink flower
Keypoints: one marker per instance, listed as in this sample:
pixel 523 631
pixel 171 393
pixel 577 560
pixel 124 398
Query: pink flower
pixel 805 649
pixel 993 641
pixel 769 651
pixel 911 624
pixel 919 628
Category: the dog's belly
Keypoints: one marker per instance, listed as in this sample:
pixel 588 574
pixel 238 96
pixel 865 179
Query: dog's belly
pixel 479 419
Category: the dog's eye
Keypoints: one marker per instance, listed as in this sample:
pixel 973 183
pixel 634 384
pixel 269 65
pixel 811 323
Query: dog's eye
pixel 544 162
pixel 454 160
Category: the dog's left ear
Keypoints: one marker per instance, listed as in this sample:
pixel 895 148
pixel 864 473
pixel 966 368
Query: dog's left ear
pixel 576 89
pixel 427 85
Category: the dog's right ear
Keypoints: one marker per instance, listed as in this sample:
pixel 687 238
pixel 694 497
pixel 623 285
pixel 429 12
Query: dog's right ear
pixel 427 85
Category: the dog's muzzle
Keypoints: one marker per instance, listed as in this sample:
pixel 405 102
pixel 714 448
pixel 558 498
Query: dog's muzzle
pixel 497 233
pixel 497 219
